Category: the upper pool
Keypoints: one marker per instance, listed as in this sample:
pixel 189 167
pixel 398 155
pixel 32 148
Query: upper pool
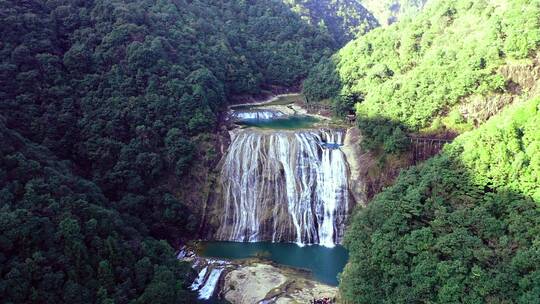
pixel 324 263
pixel 282 123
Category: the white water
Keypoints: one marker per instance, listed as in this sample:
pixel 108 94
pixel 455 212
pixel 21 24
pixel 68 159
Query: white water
pixel 284 186
pixel 257 115
pixel 333 181
pixel 208 277
pixel 200 279
pixel 209 286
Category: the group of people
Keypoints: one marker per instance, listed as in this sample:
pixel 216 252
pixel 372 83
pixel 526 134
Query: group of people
pixel 322 301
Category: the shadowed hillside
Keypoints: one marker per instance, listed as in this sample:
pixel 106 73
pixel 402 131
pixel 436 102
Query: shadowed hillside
pixel 462 227
pixel 421 72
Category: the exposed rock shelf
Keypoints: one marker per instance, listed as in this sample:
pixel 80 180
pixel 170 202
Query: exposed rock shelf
pixel 254 280
pixel 264 283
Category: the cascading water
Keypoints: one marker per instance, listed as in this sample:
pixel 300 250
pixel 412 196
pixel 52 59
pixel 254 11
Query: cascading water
pixel 256 115
pixel 207 279
pixel 284 187
pixel 209 287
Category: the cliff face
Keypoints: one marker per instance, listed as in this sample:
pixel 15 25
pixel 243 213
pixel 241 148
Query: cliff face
pixel 281 186
pixel 522 82
pixel 390 11
pixel 197 188
pixel 357 161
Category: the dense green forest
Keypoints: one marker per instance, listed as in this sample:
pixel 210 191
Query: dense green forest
pixel 464 227
pixel 102 107
pixel 419 69
pixel 63 241
pixel 343 19
pixel 391 11
pixel 108 106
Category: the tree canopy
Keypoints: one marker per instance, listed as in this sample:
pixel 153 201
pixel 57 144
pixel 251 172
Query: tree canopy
pixel 421 68
pixel 103 106
pixel 342 19
pixel 463 227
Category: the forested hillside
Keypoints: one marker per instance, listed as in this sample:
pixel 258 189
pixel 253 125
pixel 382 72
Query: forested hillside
pixel 104 105
pixel 391 11
pixel 343 19
pixel 63 241
pixel 420 69
pixel 464 227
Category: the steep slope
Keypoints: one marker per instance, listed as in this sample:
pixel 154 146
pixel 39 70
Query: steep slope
pixel 62 241
pixel 423 68
pixel 343 19
pixel 461 228
pixel 390 11
pixel 120 96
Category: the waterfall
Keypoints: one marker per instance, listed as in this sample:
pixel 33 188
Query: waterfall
pixel 208 278
pixel 284 186
pixel 256 115
pixel 207 290
pixel 200 279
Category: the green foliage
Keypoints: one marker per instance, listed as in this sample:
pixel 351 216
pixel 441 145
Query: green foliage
pixel 461 228
pixel 323 81
pixel 417 70
pixel 343 20
pixel 508 157
pixel 390 11
pixel 101 106
pixel 62 242
pixel 381 133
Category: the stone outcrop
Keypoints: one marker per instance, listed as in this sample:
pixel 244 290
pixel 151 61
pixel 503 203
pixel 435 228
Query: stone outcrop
pixel 252 284
pixel 357 161
pixel 251 281
pixel 522 81
pixel 264 283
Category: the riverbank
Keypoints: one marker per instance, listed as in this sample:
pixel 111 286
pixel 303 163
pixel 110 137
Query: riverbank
pixel 260 282
pixel 253 280
pixel 288 98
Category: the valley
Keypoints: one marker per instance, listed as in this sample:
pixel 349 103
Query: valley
pixel 282 200
pixel 270 151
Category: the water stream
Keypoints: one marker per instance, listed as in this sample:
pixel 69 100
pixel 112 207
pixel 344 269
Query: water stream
pixel 207 280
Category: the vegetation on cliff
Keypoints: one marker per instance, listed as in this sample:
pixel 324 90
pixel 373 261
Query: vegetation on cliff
pixel 461 228
pixel 391 11
pixel 343 20
pixel 419 69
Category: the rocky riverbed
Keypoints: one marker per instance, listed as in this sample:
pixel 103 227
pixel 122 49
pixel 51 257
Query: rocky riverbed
pixel 253 280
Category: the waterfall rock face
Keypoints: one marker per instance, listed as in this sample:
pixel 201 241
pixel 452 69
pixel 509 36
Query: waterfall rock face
pixel 284 186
